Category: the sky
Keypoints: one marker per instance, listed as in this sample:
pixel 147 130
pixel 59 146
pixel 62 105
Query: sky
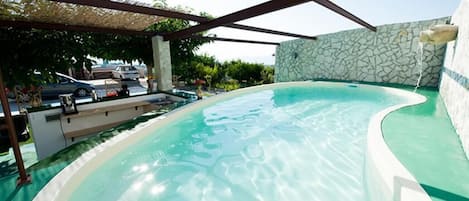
pixel 307 19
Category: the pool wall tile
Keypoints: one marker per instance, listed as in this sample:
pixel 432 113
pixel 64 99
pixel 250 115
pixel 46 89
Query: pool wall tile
pixel 389 55
pixel 454 86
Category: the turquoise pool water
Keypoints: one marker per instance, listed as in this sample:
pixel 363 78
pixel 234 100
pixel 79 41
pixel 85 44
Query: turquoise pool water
pixel 296 143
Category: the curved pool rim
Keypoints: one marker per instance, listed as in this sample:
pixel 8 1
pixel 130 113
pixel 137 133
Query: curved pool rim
pixel 384 172
pixel 379 157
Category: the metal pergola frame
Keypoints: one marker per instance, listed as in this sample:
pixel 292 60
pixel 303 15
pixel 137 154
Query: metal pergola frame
pixel 233 40
pixel 261 9
pixel 204 24
pixel 253 11
pixel 172 14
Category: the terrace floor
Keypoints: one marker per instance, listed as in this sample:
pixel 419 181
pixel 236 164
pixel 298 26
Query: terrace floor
pixel 424 140
pixel 422 137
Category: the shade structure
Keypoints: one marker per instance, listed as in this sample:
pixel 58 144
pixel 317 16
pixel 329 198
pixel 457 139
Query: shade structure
pixel 135 8
pixel 247 13
pixel 128 17
pixel 46 11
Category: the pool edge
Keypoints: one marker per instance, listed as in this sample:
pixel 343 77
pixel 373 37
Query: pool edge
pixel 384 172
pixel 81 166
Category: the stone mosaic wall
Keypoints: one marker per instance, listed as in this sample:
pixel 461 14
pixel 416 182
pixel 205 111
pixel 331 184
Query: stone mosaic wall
pixel 454 86
pixel 390 55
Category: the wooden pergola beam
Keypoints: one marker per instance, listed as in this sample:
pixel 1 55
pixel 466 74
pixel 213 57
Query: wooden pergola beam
pixel 234 40
pixel 172 14
pixel 262 30
pixel 339 10
pixel 247 13
pixel 63 27
pixel 132 8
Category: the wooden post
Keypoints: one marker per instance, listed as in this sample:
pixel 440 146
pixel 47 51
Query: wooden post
pixel 24 178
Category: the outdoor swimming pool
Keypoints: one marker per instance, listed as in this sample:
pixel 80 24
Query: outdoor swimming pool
pixel 300 142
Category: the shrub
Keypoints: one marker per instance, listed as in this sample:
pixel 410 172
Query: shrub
pixel 228 85
pixel 221 75
pixel 267 75
pixel 244 71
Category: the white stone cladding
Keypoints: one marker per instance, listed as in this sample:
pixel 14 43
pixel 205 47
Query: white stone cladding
pixel 454 85
pixel 389 55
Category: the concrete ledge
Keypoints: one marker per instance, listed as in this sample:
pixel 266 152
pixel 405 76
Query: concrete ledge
pixel 386 178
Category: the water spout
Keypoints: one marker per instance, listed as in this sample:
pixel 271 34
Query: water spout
pixel 439 34
pixel 419 64
pixel 436 35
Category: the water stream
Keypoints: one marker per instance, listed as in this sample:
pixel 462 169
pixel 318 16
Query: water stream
pixel 419 64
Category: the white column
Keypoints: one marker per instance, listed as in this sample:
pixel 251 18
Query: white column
pixel 162 63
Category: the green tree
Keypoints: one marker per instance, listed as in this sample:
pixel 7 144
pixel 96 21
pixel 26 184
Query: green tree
pixel 25 51
pixel 120 47
pixel 209 73
pixel 243 71
pixel 267 75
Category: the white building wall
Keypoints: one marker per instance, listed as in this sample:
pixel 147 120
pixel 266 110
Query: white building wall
pixel 454 84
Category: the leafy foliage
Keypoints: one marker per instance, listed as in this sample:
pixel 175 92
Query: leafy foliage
pixel 24 51
pixel 229 74
pixel 204 65
pixel 244 71
pixel 267 75
pixel 228 85
pixel 120 47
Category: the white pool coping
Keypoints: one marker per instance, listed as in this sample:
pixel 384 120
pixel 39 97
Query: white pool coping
pixel 379 156
pixel 393 181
